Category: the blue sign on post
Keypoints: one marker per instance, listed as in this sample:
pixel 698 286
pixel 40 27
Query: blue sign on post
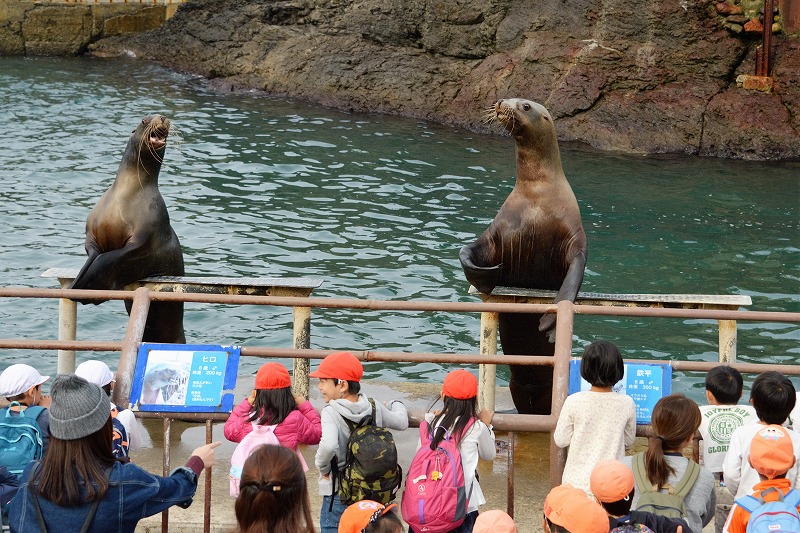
pixel 185 378
pixel 644 383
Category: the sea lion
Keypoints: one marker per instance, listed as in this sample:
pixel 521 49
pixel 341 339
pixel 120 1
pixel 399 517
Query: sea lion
pixel 159 379
pixel 128 233
pixel 535 241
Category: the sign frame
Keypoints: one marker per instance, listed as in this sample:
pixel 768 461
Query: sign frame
pixel 180 361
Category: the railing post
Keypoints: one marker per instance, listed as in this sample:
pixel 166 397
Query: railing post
pixel 302 341
pixel 563 352
pixel 67 328
pixel 727 341
pixel 487 374
pixel 130 347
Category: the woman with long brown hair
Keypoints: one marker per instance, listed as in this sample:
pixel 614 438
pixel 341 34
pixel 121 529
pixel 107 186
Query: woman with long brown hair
pixel 664 469
pixel 273 495
pixel 80 486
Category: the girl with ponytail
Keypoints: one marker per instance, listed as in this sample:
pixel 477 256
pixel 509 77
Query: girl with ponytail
pixel 663 468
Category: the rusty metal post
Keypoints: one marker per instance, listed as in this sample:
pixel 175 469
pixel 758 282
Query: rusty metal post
pixel 67 329
pixel 130 347
pixel 207 494
pixel 487 374
pixel 165 467
pixel 302 341
pixel 727 341
pixel 510 503
pixel 561 357
pixel 763 66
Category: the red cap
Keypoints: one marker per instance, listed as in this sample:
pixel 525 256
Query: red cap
pixel 771 451
pixel 273 376
pixel 573 510
pixel 339 365
pixel 361 514
pixel 611 481
pixel 460 385
pixel 494 521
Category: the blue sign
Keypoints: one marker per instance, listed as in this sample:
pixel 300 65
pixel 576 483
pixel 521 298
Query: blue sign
pixel 185 378
pixel 644 383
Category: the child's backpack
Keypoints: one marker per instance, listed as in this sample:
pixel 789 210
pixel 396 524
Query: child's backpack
pixel 119 441
pixel 780 516
pixel 258 437
pixel 371 471
pixel 435 498
pixel 632 528
pixel 20 437
pixel 669 503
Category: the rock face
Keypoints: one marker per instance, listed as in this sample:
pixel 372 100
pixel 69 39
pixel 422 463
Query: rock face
pixel 630 75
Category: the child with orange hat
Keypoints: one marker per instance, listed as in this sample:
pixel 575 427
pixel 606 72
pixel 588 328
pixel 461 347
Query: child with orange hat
pixel 472 431
pixel 613 486
pixel 340 387
pixel 570 510
pixel 771 455
pixel 368 516
pixel 272 403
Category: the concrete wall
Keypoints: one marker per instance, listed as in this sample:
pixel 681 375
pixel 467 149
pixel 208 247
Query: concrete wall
pixel 65 28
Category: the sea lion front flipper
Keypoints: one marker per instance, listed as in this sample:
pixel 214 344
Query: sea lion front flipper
pixel 483 278
pixel 568 291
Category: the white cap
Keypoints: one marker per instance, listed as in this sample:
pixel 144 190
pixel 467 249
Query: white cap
pixel 18 378
pixel 96 372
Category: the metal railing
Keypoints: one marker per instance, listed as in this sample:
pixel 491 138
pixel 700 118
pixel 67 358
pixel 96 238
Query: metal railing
pixel 489 310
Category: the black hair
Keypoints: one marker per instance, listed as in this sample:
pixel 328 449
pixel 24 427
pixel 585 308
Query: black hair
pixel 386 523
pixel 107 389
pixel 725 383
pixel 773 397
pixel 555 528
pixel 272 406
pixel 601 364
pixel 620 507
pixel 455 416
pixel 353 387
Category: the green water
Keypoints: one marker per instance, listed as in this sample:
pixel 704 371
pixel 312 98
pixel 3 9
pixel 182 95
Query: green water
pixel 378 208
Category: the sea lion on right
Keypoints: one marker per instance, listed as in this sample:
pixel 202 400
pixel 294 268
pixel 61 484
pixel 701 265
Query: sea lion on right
pixel 535 241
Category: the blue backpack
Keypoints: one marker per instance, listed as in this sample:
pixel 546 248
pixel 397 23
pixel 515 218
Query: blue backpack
pixel 780 516
pixel 20 438
pixel 119 442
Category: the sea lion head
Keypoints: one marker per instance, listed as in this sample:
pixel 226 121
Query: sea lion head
pixel 520 117
pixel 150 137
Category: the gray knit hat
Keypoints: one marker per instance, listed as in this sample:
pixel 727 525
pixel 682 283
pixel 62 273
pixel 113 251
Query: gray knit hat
pixel 78 408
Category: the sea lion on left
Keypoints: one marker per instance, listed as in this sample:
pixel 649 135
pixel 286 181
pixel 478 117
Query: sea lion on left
pixel 128 233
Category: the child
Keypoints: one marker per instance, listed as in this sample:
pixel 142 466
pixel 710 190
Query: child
pixel 368 516
pixel 596 424
pixel 720 418
pixel 97 372
pixel 494 521
pixel 570 510
pixel 674 422
pixel 475 438
pixel 773 397
pixel 771 456
pixel 613 486
pixel 80 475
pixel 273 493
pixel 271 402
pixel 339 385
pixel 23 384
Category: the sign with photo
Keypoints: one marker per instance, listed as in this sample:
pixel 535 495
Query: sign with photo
pixel 644 383
pixel 185 378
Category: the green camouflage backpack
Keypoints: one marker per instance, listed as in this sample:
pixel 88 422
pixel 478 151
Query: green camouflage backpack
pixel 370 470
pixel 670 503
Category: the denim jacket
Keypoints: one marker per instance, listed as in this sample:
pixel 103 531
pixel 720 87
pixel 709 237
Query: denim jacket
pixel 133 494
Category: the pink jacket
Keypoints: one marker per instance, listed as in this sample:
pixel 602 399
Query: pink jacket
pixel 302 426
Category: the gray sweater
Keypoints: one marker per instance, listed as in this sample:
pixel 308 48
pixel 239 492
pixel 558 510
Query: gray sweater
pixel 701 501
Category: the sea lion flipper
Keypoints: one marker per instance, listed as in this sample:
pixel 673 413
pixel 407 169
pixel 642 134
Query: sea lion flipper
pixel 483 278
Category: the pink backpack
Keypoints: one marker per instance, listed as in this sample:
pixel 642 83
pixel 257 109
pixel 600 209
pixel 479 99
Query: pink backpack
pixel 258 437
pixel 435 499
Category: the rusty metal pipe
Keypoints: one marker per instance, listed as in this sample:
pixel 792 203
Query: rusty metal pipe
pixel 130 347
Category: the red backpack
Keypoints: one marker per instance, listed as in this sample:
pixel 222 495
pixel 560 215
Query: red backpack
pixel 435 499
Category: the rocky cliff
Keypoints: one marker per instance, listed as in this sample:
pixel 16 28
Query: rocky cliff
pixel 638 76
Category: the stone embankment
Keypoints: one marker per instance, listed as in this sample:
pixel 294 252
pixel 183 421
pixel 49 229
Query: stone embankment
pixel 630 75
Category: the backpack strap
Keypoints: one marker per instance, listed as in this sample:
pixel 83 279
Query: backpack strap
pixel 749 503
pixel 792 498
pixel 685 484
pixel 32 411
pixel 640 474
